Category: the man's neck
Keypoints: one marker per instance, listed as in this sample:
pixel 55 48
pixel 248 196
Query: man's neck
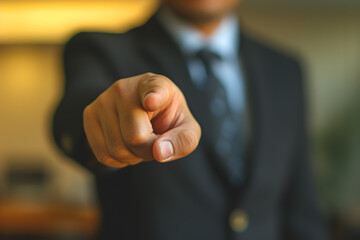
pixel 222 35
pixel 207 28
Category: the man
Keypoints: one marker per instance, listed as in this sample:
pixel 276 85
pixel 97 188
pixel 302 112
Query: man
pixel 249 176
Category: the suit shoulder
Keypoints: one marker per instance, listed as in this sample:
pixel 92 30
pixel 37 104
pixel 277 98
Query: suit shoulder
pixel 96 38
pixel 274 54
pixel 101 45
pixel 282 70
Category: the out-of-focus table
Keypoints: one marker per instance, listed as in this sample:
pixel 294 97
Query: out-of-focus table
pixel 26 218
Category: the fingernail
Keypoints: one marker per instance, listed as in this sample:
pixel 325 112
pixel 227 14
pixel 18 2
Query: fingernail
pixel 167 150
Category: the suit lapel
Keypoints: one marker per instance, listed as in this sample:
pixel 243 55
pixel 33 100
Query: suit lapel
pixel 163 54
pixel 256 78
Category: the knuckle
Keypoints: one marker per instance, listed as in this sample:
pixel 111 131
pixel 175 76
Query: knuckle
pixel 155 79
pixel 118 153
pixel 86 112
pixel 110 162
pixel 134 162
pixel 88 116
pixel 166 82
pixel 131 161
pixel 122 165
pixel 105 160
pixel 136 140
pixel 163 78
pixel 120 88
pixel 186 142
pixel 148 75
pixel 156 83
pixel 102 101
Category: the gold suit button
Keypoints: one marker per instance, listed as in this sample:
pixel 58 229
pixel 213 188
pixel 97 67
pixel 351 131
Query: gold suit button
pixel 238 220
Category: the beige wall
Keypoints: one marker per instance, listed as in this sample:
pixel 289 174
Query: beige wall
pixel 31 83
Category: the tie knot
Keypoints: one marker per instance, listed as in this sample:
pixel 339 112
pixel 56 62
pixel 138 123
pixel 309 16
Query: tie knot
pixel 207 55
pixel 208 59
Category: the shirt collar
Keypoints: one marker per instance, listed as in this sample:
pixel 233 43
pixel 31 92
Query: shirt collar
pixel 224 41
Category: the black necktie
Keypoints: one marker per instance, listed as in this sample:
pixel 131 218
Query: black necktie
pixel 222 127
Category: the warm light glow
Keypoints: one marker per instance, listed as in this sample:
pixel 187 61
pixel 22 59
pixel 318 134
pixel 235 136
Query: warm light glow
pixel 53 21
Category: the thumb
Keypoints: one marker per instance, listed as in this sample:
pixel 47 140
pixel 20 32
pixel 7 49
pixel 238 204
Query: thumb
pixel 177 142
pixel 155 91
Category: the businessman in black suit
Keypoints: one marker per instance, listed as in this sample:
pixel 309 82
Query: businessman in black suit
pixel 249 176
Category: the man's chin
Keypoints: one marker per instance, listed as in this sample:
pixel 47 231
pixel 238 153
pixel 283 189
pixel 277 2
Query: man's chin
pixel 200 17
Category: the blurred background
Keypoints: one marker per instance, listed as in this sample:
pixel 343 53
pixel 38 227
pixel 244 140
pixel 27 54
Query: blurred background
pixel 43 195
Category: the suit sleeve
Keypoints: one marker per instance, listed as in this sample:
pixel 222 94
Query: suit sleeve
pixel 301 211
pixel 86 77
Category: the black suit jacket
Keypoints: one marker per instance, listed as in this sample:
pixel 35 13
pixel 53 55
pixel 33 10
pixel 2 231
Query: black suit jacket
pixel 189 198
